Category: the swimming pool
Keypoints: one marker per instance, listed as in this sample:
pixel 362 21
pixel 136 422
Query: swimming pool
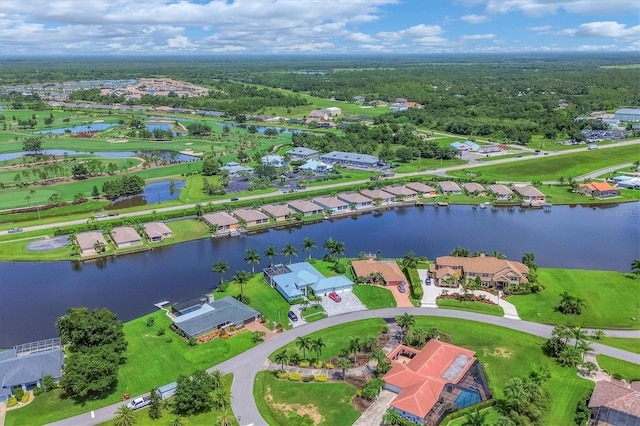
pixel 467 398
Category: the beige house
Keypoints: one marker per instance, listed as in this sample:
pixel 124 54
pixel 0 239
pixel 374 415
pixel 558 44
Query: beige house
pixel 529 193
pixel 251 217
pixel 125 236
pixel 379 195
pixel 156 231
pixel 449 187
pixel 355 200
pixel 87 241
pixel 473 187
pixel 450 271
pixel 401 192
pixel 307 208
pixel 502 192
pixel 278 212
pixel 388 270
pixel 422 189
pixel 332 204
pixel 223 220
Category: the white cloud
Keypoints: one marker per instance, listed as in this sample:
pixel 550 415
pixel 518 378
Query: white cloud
pixel 413 33
pixel 475 19
pixel 610 29
pixel 541 28
pixel 478 37
pixel 547 7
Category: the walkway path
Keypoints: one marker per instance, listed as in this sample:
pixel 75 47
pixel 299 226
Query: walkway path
pixel 374 414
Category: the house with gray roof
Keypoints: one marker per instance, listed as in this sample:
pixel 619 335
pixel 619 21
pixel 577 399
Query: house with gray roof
pixel 422 189
pixel 234 168
pixel 307 208
pixel 26 369
pixel 156 231
pixel 205 316
pixel 350 159
pixel 401 192
pixel 273 160
pixel 302 153
pixel 335 205
pixel 294 281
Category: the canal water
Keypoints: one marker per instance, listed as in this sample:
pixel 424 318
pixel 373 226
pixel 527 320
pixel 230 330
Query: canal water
pixel 33 295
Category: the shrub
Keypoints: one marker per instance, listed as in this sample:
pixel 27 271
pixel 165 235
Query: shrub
pixel 282 375
pixel 317 364
pixel 222 287
pixel 329 366
pixel 169 339
pixel 307 379
pixel 359 393
pixel 151 321
pixel 295 377
pixel 304 363
pixel 193 341
pixel 38 391
pixel 25 397
pixel 321 378
pixel 385 329
pixel 12 402
pixel 18 393
pixel 161 332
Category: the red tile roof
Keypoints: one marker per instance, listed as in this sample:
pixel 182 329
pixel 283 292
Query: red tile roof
pixel 616 396
pixel 598 186
pixel 390 271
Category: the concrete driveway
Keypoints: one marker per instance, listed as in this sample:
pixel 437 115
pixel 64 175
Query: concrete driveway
pixel 297 310
pixel 349 303
pixel 373 415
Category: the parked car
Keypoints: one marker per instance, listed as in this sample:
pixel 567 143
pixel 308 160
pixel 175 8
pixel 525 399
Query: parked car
pixel 114 214
pixel 402 289
pixel 335 297
pixel 427 281
pixel 100 216
pixel 292 316
pixel 14 230
pixel 139 403
pixel 234 199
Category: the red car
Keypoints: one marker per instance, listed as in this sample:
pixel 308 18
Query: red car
pixel 335 297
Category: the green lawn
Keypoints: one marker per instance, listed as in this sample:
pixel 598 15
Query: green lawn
pixel 263 298
pixel 552 167
pixel 631 345
pixel 565 195
pixel 337 338
pixel 314 313
pixel 607 296
pixel 146 349
pixel 283 403
pixel 483 308
pixel 626 370
pixel 374 297
pixel 187 230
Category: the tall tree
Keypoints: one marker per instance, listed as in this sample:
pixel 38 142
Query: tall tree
pixel 155 406
pixel 124 416
pixel 308 244
pixel 635 267
pixel 475 418
pixel 242 277
pixel 193 394
pixel 281 358
pixel 251 258
pixel 32 144
pixel 289 250
pixel 270 252
pixel 409 260
pixel 220 267
pixel 317 345
pixel 343 364
pixel 304 343
pixel 406 321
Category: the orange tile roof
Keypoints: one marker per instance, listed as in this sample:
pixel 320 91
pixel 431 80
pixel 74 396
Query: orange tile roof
pixel 390 271
pixel 485 265
pixel 598 186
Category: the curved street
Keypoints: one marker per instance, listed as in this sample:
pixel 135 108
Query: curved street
pixel 245 366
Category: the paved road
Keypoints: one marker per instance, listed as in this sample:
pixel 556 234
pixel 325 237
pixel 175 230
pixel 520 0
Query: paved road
pixel 246 365
pixel 436 172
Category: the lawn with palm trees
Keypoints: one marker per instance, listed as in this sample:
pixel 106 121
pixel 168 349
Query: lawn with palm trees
pixel 604 296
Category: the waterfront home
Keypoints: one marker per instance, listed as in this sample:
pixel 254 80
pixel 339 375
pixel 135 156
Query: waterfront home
pixel 473 188
pixel 251 217
pixel 332 204
pixel 501 192
pixel 422 189
pixel 293 281
pixel 388 270
pixel 332 111
pixel 156 231
pixel 378 196
pixel 627 182
pixel 273 161
pixel 224 221
pixel 598 190
pixel 87 241
pixel 278 212
pixel 302 153
pixel 350 159
pixel 125 236
pixel 434 380
pixel 307 208
pixel 25 365
pixel 451 271
pixel 448 187
pixel 401 192
pixel 615 403
pixel 355 200
pixel 316 166
pixel 317 115
pixel 529 193
pixel 234 168
pixel 197 318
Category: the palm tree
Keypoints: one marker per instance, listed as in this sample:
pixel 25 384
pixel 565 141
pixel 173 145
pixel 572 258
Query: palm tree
pixel 343 364
pixel 392 417
pixel 216 379
pixel 198 210
pixel 220 399
pixel 409 260
pixel 561 180
pixel 329 245
pixel 289 250
pixel 317 345
pixel 338 250
pixel 354 346
pixel 242 277
pixel 476 418
pixel 635 267
pixel 124 416
pixel 251 258
pixel 597 334
pixel 378 355
pixel 270 252
pixel 369 343
pixel 281 358
pixel 308 244
pixel 406 321
pixel 220 267
pixel 225 419
pixel 584 346
pixel 578 334
pixel 303 343
pixel 177 421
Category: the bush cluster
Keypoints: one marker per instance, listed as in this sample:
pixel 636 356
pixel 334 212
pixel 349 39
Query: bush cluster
pixel 11 402
pixel 38 391
pixel 297 377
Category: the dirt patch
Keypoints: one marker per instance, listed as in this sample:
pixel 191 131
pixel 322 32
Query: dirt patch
pixel 501 352
pixel 360 404
pixel 117 140
pixel 301 410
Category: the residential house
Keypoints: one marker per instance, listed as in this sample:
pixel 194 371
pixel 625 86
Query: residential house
pixel 196 318
pixel 307 208
pixel 332 204
pixel 295 280
pixel 501 192
pixel 473 187
pixel 251 217
pixel 317 115
pixel 378 196
pixel 430 382
pixel 224 221
pixel 448 187
pixel 487 149
pixel 125 236
pixel 332 111
pixel 273 160
pixel 401 192
pixel 355 200
pixel 156 231
pixel 598 190
pixel 615 403
pixel 450 271
pixel 529 193
pixel 234 168
pixel 398 106
pixel 422 189
pixel 465 146
pixel 278 212
pixel 350 159
pixel 302 153
pixel 389 270
pixel 25 365
pixel 87 241
pixel 316 166
pixel 359 99
pixel 628 182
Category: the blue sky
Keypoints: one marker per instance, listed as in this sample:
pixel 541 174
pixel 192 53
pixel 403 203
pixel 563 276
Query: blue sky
pixel 169 27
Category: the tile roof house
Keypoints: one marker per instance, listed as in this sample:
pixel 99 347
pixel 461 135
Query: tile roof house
pixel 204 316
pixel 335 205
pixel 493 272
pixel 529 193
pixel 598 190
pixel 307 208
pixel 422 189
pixel 355 199
pixel 292 281
pixel 390 271
pixel 223 220
pixel 401 191
pixel 234 168
pixel 501 191
pixel 125 236
pixel 379 195
pixel 615 403
pixel 302 153
pixel 251 217
pixel 278 212
pixel 350 159
pixel 431 380
pixel 449 187
pixel 473 187
pixel 273 160
pixel 332 111
pixel 318 114
pixel 27 369
pixel 316 166
pixel 156 231
pixel 87 240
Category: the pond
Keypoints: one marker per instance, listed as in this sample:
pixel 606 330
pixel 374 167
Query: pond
pixel 261 129
pixel 154 193
pixel 161 126
pixel 169 155
pixel 93 127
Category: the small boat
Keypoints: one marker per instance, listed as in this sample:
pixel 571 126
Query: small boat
pixel 442 204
